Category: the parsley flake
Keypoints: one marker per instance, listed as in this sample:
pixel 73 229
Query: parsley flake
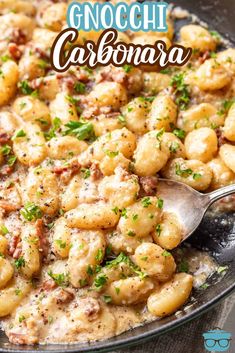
pixel 79 129
pixel 20 262
pixel 146 202
pixel 31 212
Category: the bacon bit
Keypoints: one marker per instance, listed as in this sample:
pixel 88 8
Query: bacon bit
pixel 20 338
pixel 112 115
pixel 36 83
pixel 64 296
pixel 18 36
pixel 69 81
pixel 15 247
pixel 96 173
pixel 42 54
pixel 43 241
pixel 48 285
pixel 8 207
pixel 91 308
pixel 221 138
pixel 14 50
pixel 66 172
pixel 6 170
pixel 90 112
pixel 113 74
pixel 149 184
pixel 4 138
pixel 204 57
pixel 75 166
pixel 82 76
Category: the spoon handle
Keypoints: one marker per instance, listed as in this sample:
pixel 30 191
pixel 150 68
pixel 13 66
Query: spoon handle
pixel 220 193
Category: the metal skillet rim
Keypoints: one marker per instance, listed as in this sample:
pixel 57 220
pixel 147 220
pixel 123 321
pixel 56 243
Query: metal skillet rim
pixel 105 346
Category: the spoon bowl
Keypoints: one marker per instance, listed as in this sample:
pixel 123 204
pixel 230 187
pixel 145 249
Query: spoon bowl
pixel 188 204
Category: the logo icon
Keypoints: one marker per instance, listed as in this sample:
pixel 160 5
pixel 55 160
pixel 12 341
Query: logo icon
pixel 217 340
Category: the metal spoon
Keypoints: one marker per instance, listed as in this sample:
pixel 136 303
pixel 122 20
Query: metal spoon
pixel 188 204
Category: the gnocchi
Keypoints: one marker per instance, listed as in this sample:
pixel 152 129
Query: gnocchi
pixel 171 295
pixel 140 218
pixel 149 157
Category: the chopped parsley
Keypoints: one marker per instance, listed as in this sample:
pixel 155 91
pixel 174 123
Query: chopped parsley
pixel 181 91
pixel 43 64
pixel 25 87
pixel 216 35
pixel 79 129
pixel 18 292
pixel 122 118
pixel 166 71
pixel 130 233
pixel 100 281
pixel 213 55
pixel 56 124
pixel 61 279
pixel 147 99
pixel 60 243
pixel 21 318
pixel 3 229
pixel 160 203
pixel 19 133
pixel 99 255
pixel 42 121
pixel 204 286
pixel 79 87
pixel 31 212
pixel 11 160
pixel 222 269
pixel 89 270
pixel 179 133
pixel 50 225
pixel 20 262
pixel 146 202
pixel 166 253
pixel 144 258
pixel 174 146
pixel 158 229
pixel 83 282
pixel 183 172
pixel 115 210
pixel 196 176
pixel 117 290
pixel 111 154
pixel 86 173
pixel 135 217
pixel 225 106
pixel 107 299
pixel 5 58
pixel 124 213
pixel 71 99
pixel 124 258
pixel 160 133
pixel 5 150
pixel 127 68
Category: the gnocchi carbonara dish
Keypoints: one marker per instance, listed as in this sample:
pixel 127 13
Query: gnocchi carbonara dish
pixel 87 250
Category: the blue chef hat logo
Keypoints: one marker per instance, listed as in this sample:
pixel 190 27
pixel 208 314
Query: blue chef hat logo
pixel 217 340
